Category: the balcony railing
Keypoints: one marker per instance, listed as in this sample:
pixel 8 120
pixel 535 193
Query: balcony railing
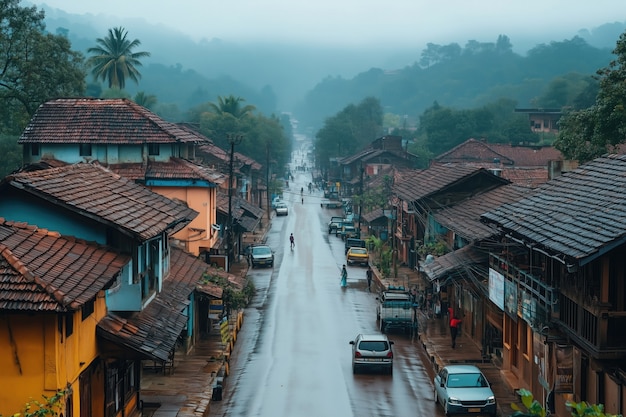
pixel 603 334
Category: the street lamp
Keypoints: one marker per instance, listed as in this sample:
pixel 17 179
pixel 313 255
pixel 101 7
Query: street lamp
pixel 233 139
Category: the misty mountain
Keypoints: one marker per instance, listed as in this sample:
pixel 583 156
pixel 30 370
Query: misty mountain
pixel 316 82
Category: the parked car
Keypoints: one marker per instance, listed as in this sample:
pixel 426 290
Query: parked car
pixel 282 209
pixel 275 202
pixel 463 389
pixel 353 242
pixel 372 351
pixel 261 255
pixel 347 231
pixel 334 223
pixel 357 255
pixel 395 309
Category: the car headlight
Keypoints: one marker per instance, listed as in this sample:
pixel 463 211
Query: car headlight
pixel 454 401
pixel 491 400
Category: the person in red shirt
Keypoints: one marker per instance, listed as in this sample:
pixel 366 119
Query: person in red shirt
pixel 454 329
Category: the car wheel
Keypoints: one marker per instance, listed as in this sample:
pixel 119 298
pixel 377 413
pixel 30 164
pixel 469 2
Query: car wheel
pixel 435 396
pixel 354 370
pixel 391 370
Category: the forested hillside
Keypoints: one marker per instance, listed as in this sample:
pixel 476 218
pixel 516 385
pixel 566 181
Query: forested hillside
pixel 463 77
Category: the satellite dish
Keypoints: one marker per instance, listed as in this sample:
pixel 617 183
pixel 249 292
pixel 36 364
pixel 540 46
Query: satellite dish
pixel 216 227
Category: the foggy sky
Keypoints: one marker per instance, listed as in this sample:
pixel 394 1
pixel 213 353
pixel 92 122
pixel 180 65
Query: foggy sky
pixel 359 22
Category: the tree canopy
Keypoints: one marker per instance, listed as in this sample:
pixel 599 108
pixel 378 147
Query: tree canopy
pixel 113 59
pixel 350 130
pixel 34 66
pixel 588 133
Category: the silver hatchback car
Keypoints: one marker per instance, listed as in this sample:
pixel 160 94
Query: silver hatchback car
pixel 372 351
pixel 463 389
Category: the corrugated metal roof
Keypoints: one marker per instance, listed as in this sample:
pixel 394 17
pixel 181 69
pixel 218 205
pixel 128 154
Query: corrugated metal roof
pixel 580 214
pixel 460 260
pixel 102 121
pixel 107 197
pixel 44 271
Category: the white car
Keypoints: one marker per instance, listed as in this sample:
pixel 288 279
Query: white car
pixel 281 209
pixel 372 351
pixel 463 389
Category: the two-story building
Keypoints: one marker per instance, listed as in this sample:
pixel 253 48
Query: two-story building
pixel 137 144
pixel 558 276
pixel 91 203
pixel 419 195
pixel 462 274
pixel 52 296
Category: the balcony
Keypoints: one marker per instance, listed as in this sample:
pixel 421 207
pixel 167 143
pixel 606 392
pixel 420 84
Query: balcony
pixel 601 334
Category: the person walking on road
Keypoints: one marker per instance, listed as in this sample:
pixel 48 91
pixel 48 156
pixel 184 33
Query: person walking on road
pixel 454 329
pixel 292 241
pixel 369 275
pixel 344 276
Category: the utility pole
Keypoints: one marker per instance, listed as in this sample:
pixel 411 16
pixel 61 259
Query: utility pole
pixel 233 139
pixel 361 198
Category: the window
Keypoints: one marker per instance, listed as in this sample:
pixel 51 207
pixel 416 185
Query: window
pixel 153 149
pixel 87 309
pixel 84 149
pixel 69 324
pixel 121 385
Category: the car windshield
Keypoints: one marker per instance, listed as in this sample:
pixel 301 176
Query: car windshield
pixel 358 250
pixel 374 346
pixel 261 251
pixel 466 381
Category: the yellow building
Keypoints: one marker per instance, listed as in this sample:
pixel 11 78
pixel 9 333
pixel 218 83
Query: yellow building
pixel 51 299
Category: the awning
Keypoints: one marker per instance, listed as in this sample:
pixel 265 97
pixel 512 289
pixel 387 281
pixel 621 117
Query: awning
pixel 454 262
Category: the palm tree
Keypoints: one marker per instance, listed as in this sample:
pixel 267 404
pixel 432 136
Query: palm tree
pixel 146 100
pixel 114 60
pixel 231 105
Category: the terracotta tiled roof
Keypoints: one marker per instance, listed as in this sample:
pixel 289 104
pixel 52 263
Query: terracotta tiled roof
pixel 214 151
pixel 498 154
pixel 102 121
pixel 246 160
pixel 186 275
pixel 357 156
pixel 423 183
pixel 175 168
pixel 92 190
pixel 580 214
pixel 374 215
pixel 239 206
pixel 153 332
pixel 464 217
pixel 44 271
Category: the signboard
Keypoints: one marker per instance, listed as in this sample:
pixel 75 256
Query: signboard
pixel 510 299
pixel 496 288
pixel 225 330
pixel 215 309
pixel 564 369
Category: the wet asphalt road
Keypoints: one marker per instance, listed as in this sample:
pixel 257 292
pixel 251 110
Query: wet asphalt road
pixel 292 356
